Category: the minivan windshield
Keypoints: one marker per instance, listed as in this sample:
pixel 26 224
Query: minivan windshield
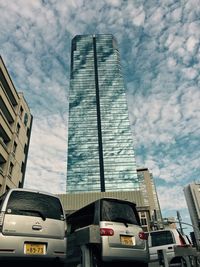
pixel 118 212
pixel 34 204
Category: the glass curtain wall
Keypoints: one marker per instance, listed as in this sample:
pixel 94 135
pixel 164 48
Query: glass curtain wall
pixel 100 142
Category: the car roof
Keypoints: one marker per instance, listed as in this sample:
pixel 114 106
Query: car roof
pixel 32 190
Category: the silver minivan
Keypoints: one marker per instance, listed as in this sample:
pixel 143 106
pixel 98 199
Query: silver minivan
pixel 119 238
pixel 32 227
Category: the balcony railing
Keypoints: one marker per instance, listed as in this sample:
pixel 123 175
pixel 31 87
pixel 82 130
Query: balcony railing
pixel 2 142
pixel 1 171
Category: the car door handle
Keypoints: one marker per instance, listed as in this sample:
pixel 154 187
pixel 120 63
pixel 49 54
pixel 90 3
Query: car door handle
pixel 170 247
pixel 36 227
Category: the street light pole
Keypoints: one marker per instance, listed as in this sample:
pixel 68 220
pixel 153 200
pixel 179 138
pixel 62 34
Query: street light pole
pixel 180 222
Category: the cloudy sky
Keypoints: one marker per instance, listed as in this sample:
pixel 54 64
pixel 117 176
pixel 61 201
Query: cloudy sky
pixel 160 56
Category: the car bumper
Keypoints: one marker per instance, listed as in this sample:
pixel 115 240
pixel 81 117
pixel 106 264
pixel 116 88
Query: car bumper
pixel 124 254
pixel 12 247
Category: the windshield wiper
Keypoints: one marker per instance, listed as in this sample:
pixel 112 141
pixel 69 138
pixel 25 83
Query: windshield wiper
pixel 35 211
pixel 123 220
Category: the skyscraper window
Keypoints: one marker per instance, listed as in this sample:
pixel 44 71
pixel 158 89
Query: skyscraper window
pixel 100 142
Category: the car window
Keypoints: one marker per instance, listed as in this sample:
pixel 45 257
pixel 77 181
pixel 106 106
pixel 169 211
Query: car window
pixel 34 204
pixel 82 217
pixel 118 212
pixel 161 238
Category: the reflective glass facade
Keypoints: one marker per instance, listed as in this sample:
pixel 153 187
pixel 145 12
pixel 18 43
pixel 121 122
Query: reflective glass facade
pixel 100 145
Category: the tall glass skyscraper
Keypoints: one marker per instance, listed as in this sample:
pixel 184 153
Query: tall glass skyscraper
pixel 100 142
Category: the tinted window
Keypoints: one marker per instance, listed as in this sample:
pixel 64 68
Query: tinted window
pixel 81 218
pixel 161 238
pixel 34 204
pixel 118 212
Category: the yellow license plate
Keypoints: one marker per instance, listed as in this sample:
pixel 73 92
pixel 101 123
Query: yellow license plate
pixel 127 240
pixel 35 249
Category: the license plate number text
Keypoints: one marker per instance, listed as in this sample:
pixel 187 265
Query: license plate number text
pixel 127 240
pixel 35 249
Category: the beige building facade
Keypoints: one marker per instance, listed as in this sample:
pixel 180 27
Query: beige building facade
pixel 15 132
pixel 148 189
pixel 192 196
pixel 73 202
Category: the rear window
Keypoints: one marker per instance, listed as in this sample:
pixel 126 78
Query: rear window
pixel 34 204
pixel 161 238
pixel 118 212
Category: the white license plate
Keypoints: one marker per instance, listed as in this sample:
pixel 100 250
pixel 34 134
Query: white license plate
pixel 127 240
pixel 34 249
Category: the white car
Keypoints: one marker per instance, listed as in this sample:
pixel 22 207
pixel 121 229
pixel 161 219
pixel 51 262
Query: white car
pixel 166 239
pixel 32 227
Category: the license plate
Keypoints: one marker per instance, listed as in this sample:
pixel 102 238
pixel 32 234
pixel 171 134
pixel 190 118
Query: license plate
pixel 34 249
pixel 127 240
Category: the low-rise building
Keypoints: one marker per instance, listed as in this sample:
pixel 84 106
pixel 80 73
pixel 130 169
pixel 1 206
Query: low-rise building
pixel 148 189
pixel 192 196
pixel 15 132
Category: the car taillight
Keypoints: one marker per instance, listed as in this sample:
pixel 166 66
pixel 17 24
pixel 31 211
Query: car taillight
pixel 1 220
pixel 106 232
pixel 143 235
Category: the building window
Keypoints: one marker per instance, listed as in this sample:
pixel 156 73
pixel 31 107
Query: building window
pixel 25 148
pixel 20 185
pixel 18 128
pixel 21 112
pixel 11 168
pixel 14 147
pixel 145 229
pixel 22 167
pixel 7 188
pixel 143 221
pixel 25 119
pixel 28 132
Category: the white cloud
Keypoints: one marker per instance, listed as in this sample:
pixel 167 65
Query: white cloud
pixel 46 168
pixel 171 63
pixel 171 198
pixel 190 73
pixel 159 48
pixel 191 44
pixel 114 3
pixel 176 14
pixel 138 16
